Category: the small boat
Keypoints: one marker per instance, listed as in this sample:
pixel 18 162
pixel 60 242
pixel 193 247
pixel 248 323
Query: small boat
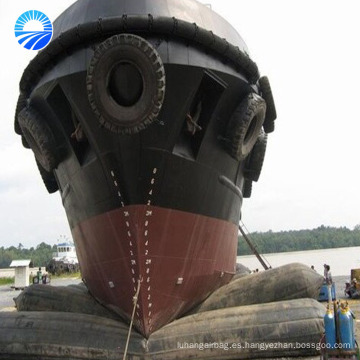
pixel 64 260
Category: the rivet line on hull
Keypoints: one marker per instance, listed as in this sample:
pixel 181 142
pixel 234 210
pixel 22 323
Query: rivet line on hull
pixel 148 215
pixel 116 185
pixel 132 260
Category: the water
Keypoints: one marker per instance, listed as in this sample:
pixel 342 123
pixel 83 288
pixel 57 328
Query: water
pixel 341 260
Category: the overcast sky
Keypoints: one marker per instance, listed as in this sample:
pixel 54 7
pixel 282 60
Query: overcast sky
pixel 309 49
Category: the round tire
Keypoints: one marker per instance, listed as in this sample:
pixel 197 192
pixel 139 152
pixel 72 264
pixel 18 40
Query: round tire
pixel 255 160
pixel 21 104
pixel 51 268
pixel 39 137
pixel 24 142
pixel 266 93
pixel 126 83
pixel 247 188
pixel 245 125
pixel 48 179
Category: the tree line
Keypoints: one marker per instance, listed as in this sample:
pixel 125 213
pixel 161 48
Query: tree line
pixel 39 256
pixel 323 237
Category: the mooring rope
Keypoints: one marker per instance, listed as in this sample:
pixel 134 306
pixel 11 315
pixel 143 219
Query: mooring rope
pixel 135 300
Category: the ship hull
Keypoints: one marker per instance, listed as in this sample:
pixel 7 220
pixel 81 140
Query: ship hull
pixel 179 258
pixel 147 125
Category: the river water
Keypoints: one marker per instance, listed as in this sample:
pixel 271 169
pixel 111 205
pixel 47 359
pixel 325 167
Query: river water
pixel 341 260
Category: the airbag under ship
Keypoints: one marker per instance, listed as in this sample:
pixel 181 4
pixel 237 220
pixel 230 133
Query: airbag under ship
pixel 151 120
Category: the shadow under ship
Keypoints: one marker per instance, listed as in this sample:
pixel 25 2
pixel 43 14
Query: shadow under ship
pixel 151 120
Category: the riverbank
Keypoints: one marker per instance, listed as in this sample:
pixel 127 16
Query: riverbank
pixel 341 260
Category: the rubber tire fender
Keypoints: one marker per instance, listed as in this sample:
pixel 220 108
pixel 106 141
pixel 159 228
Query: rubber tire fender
pixel 21 104
pixel 247 188
pixel 24 142
pixel 39 137
pixel 266 93
pixel 51 267
pixel 139 53
pixel 48 179
pixel 255 160
pixel 244 126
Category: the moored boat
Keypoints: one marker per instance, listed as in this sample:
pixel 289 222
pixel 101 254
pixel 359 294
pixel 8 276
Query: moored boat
pixel 64 259
pixel 152 121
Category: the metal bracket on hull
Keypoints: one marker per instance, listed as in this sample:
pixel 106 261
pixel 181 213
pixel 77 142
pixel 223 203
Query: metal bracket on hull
pixel 228 183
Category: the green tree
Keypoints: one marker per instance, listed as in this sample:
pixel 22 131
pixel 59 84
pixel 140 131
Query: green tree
pixel 320 238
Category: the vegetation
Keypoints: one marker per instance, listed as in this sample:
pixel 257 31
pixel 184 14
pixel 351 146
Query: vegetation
pixel 322 237
pixel 6 281
pixel 269 242
pixel 39 256
pixel 67 275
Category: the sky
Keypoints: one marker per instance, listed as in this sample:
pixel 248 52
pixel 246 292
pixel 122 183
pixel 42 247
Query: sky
pixel 310 51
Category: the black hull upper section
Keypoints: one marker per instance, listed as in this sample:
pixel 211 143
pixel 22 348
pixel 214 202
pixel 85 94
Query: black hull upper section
pixel 86 24
pixel 188 11
pixel 194 173
pixel 193 151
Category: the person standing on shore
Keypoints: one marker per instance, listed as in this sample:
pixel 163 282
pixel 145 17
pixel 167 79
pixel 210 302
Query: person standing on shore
pixel 328 280
pixel 327 274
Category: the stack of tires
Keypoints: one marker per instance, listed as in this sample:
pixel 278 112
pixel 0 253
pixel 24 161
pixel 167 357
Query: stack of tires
pixel 56 267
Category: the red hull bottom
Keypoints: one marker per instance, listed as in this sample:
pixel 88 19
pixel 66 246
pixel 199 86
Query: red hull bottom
pixel 179 258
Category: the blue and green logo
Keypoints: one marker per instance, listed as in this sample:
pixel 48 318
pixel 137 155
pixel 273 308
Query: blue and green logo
pixel 33 30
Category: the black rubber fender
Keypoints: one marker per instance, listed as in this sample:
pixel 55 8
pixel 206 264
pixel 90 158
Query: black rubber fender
pixel 126 61
pixel 247 188
pixel 244 126
pixel 224 334
pixel 266 93
pixel 39 137
pixel 94 31
pixel 50 267
pixel 48 179
pixel 90 32
pixel 24 142
pixel 287 282
pixel 74 299
pixel 21 104
pixel 255 160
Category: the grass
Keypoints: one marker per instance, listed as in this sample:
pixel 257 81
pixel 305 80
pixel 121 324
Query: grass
pixel 67 275
pixel 7 281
